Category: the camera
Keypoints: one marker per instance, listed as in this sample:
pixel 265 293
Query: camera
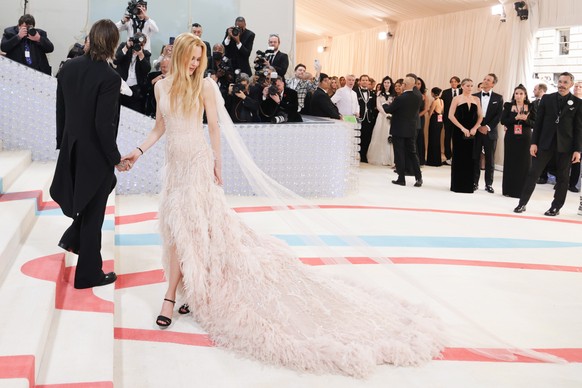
pixel 280 118
pixel 31 31
pixel 260 61
pixel 138 41
pixel 132 8
pixel 237 88
pixel 235 31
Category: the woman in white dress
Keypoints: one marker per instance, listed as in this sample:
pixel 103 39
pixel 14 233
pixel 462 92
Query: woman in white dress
pixel 381 151
pixel 249 291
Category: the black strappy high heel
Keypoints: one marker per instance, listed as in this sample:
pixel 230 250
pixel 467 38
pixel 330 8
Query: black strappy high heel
pixel 162 321
pixel 184 309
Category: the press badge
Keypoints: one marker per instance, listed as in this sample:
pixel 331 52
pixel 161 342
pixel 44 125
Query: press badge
pixel 27 53
pixel 517 129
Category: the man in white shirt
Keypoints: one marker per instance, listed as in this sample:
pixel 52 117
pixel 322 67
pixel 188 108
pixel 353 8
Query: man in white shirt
pixel 141 23
pixel 346 99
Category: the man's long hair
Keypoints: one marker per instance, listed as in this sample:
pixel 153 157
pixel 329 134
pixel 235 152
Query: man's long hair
pixel 186 89
pixel 103 39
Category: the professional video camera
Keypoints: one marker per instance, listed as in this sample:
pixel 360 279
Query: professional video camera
pixel 132 8
pixel 138 41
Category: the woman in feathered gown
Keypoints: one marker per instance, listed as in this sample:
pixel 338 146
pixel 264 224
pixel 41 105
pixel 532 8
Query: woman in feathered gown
pixel 381 152
pixel 248 291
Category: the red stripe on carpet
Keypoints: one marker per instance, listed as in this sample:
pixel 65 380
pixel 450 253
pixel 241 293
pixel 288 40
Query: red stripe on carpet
pixel 18 367
pixel 135 218
pixel 466 354
pixel 93 384
pixel 166 336
pixel 139 279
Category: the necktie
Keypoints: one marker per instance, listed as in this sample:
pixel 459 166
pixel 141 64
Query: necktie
pixel 27 53
pixel 454 93
pixel 485 94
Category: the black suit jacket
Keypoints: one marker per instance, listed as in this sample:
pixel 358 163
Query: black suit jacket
pixel 404 110
pixel 367 109
pixel 142 67
pixel 87 121
pixel 13 46
pixel 289 104
pixel 568 132
pixel 494 110
pixel 240 57
pixel 281 63
pixel 447 97
pixel 322 106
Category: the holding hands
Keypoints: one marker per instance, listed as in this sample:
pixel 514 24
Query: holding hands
pixel 128 160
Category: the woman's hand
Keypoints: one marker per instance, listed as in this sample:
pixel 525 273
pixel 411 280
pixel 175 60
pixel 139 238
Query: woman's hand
pixel 131 158
pixel 218 172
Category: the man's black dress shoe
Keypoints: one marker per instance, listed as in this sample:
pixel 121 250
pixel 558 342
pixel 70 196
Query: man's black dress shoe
pixel 418 183
pixel 542 181
pixel 401 183
pixel 108 278
pixel 489 189
pixel 573 189
pixel 552 212
pixel 519 209
pixel 68 248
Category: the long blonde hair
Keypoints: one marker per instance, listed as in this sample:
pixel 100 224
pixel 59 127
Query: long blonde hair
pixel 186 89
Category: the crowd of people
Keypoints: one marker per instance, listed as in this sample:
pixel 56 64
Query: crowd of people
pixel 461 127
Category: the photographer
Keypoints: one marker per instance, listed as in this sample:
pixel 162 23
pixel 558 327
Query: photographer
pixel 133 65
pixel 137 20
pixel 27 45
pixel 240 106
pixel 238 44
pixel 152 79
pixel 279 103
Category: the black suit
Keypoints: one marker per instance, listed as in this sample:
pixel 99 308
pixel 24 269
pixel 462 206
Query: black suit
pixel 322 106
pixel 404 110
pixel 281 63
pixel 560 139
pixel 87 119
pixel 240 56
pixel 288 105
pixel 368 116
pixel 487 142
pixel 447 97
pixel 14 47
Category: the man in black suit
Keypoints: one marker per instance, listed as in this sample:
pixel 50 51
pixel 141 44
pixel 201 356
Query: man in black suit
pixel 87 121
pixel 447 97
pixel 558 131
pixel 539 91
pixel 367 103
pixel 27 45
pixel 238 44
pixel 282 103
pixel 486 137
pixel 133 65
pixel 320 104
pixel 279 60
pixel 404 111
pixel 197 30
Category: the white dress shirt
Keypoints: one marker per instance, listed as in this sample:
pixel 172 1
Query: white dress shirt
pixel 346 101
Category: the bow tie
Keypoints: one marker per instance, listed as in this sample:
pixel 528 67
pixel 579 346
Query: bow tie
pixel 485 94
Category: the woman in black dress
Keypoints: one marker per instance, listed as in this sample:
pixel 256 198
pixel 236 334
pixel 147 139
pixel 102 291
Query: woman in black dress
pixel 518 118
pixel 466 114
pixel 435 127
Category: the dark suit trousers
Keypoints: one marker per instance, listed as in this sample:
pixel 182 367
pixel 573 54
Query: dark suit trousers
pixel 365 138
pixel 489 146
pixel 574 174
pixel 563 162
pixel 89 223
pixel 405 152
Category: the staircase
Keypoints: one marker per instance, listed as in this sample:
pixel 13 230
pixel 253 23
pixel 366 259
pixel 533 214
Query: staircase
pixel 50 333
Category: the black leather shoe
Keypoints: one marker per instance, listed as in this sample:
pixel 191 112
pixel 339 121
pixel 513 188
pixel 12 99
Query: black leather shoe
pixel 401 183
pixel 542 181
pixel 519 209
pixel 108 278
pixel 475 187
pixel 489 189
pixel 418 183
pixel 573 189
pixel 552 212
pixel 68 248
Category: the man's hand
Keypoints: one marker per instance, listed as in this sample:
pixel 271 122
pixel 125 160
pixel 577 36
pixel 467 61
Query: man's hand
pixel 483 129
pixel 533 150
pixel 129 44
pixel 276 98
pixel 241 95
pixel 34 38
pixel 140 54
pixel 143 12
pixel 576 157
pixel 22 32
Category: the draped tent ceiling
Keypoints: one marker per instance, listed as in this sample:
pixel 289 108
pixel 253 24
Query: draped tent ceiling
pixel 322 18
